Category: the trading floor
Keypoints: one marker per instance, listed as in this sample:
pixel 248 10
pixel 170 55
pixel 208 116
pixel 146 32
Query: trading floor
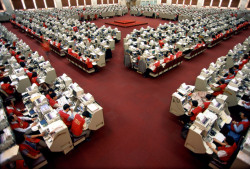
pixel 139 130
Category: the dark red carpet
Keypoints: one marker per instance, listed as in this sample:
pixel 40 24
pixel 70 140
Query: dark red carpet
pixel 139 131
pixel 126 23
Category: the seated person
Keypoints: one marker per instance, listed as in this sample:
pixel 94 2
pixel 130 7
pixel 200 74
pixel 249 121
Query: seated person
pixel 66 118
pixel 226 150
pixel 198 45
pixel 220 89
pixel 229 76
pixel 236 69
pixel 50 91
pixel 9 89
pixel 30 146
pixel 11 109
pixel 22 64
pixel 192 113
pixel 89 63
pixel 59 46
pixel 243 61
pixel 18 56
pixel 161 43
pixel 70 50
pixel 77 127
pixel 29 72
pixel 156 64
pixel 35 142
pixel 20 124
pixel 178 53
pixel 22 59
pixel 34 79
pixel 236 128
pixel 53 103
pixel 207 102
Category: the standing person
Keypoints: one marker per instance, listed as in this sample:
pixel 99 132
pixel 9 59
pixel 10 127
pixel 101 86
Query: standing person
pixel 46 48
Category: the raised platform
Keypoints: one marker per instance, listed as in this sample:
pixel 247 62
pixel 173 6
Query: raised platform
pixel 126 23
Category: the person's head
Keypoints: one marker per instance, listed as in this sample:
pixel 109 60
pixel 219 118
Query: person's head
pixel 231 72
pixel 12 118
pixel 50 91
pixel 34 74
pixel 243 115
pixel 208 96
pixel 22 64
pixel 66 107
pixel 229 140
pixel 222 81
pixel 195 103
pixel 30 69
pixel 9 103
pixel 236 67
pixel 5 80
pixel 60 41
pixel 53 96
pixel 70 46
pixel 18 53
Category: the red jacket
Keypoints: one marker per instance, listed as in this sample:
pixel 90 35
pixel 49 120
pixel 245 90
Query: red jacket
pixel 20 124
pixel 244 123
pixel 206 104
pixel 89 63
pixel 222 87
pixel 34 80
pixel 243 63
pixel 77 125
pixel 195 112
pixel 7 88
pixel 156 64
pixel 229 150
pixel 52 102
pixel 30 150
pixel 12 110
pixel 178 54
pixel 64 117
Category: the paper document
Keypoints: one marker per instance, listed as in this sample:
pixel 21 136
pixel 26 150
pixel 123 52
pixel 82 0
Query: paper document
pixel 220 137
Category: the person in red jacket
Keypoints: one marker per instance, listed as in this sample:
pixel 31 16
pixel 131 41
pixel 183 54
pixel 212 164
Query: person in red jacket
pixel 194 110
pixel 77 127
pixel 12 51
pixel 70 50
pixel 156 64
pixel 66 118
pixel 226 150
pixel 20 124
pixel 9 89
pixel 243 62
pixel 46 48
pixel 89 63
pixel 11 109
pixel 198 45
pixel 53 103
pixel 161 43
pixel 18 56
pixel 207 102
pixel 192 113
pixel 34 79
pixel 59 45
pixel 220 89
pixel 50 91
pixel 29 72
pixel 236 128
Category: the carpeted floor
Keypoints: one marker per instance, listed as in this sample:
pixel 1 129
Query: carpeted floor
pixel 139 131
